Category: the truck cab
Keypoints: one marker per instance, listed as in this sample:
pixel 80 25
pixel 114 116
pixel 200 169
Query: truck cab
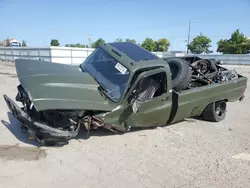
pixel 145 98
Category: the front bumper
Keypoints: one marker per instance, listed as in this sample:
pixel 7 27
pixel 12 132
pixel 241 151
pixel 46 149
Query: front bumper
pixel 45 134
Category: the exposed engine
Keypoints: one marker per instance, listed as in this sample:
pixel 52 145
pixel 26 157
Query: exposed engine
pixel 61 119
pixel 66 119
pixel 205 72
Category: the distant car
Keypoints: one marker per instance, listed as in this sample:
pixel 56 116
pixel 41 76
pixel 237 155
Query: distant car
pixel 120 86
pixel 15 44
pixel 221 62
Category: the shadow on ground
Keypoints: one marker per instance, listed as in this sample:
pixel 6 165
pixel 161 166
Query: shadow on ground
pixel 15 128
pixel 104 132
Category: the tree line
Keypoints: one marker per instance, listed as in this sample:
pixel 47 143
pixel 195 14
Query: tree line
pixel 238 43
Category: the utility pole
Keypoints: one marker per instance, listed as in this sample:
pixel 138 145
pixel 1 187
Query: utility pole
pixel 172 45
pixel 89 38
pixel 189 28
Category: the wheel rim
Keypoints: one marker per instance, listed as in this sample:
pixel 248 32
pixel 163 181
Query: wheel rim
pixel 220 108
pixel 218 111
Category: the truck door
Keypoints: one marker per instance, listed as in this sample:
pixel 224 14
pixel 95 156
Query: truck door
pixel 150 99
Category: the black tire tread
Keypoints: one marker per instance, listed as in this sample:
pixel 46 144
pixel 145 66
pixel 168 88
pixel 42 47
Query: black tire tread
pixel 212 65
pixel 209 113
pixel 184 76
pixel 185 81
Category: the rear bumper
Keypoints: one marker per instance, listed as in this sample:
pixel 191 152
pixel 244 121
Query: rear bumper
pixel 43 133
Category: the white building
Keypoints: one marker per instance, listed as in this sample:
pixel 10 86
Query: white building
pixel 13 42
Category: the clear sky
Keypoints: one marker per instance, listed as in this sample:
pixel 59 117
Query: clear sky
pixel 38 21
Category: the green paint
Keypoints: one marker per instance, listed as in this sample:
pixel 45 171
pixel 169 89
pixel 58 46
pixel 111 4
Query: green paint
pixel 58 86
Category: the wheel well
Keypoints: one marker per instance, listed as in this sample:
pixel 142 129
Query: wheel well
pixel 226 100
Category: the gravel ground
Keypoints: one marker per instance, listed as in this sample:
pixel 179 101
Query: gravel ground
pixel 191 153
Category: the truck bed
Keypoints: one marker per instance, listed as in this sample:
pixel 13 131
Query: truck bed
pixel 198 98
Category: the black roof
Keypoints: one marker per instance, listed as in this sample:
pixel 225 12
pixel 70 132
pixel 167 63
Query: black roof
pixel 134 51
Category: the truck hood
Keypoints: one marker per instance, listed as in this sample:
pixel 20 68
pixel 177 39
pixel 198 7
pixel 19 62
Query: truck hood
pixel 59 86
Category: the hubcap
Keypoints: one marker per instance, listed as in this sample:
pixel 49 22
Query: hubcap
pixel 220 109
pixel 218 112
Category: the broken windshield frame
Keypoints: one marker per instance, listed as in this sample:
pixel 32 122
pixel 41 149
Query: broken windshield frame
pixel 110 74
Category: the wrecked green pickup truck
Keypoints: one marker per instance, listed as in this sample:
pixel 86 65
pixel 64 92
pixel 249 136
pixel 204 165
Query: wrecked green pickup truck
pixel 120 86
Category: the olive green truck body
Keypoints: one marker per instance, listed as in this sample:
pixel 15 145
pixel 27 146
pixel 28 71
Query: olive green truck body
pixel 94 93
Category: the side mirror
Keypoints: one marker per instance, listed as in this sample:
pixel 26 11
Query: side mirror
pixel 135 105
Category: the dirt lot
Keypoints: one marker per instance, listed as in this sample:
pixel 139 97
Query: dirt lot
pixel 188 154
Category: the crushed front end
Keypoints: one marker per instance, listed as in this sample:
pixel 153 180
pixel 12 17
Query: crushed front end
pixel 53 127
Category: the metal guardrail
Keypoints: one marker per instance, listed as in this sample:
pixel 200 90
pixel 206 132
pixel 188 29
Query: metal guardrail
pixel 231 59
pixel 12 53
pixel 65 55
pixel 75 56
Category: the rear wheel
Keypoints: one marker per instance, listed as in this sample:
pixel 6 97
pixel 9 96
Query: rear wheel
pixel 215 112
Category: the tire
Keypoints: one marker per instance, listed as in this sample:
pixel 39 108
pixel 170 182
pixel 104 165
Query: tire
pixel 212 63
pixel 215 112
pixel 181 73
pixel 197 83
